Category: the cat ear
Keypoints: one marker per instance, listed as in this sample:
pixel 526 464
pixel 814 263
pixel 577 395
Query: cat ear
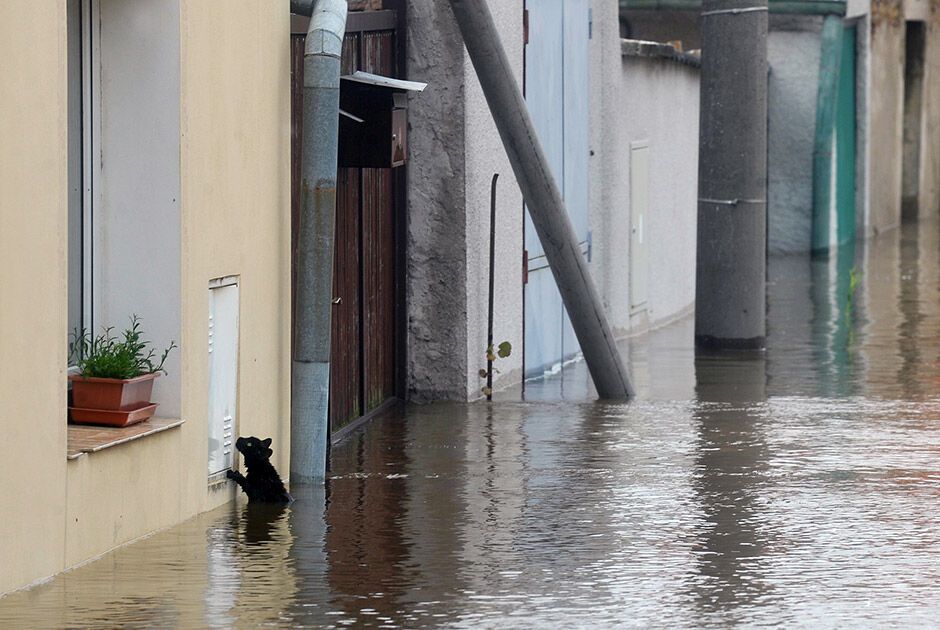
pixel 266 442
pixel 270 453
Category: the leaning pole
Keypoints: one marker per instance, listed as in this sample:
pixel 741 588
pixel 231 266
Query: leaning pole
pixel 543 199
pixel 730 309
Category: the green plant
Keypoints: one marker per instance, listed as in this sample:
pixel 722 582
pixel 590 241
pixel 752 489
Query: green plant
pixel 502 351
pixel 108 356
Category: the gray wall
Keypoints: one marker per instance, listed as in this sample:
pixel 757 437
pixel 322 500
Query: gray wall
pixel 454 151
pixel 886 118
pixel 654 100
pixel 930 144
pixel 793 49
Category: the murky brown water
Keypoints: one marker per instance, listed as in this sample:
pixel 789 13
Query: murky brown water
pixel 801 487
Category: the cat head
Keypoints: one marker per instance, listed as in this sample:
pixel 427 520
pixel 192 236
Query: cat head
pixel 254 449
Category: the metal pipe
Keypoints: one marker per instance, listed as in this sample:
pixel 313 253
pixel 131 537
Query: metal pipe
pixel 543 198
pixel 489 312
pixel 730 284
pixel 310 376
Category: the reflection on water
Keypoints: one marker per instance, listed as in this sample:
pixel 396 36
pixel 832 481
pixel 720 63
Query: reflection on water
pixel 797 486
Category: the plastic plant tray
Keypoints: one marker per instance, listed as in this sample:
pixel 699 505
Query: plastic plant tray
pixel 112 418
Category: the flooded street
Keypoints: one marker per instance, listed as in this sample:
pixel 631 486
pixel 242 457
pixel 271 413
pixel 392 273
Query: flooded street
pixel 800 487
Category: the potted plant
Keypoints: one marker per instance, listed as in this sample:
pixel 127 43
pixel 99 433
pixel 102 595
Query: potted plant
pixel 115 376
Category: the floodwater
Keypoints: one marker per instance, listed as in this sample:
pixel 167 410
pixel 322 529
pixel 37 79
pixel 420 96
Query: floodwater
pixel 796 487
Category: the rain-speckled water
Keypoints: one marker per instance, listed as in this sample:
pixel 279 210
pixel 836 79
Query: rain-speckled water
pixel 799 487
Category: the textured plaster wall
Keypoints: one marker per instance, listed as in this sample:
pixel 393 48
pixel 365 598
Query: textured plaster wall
pixel 454 150
pixel 793 53
pixel 654 100
pixel 886 121
pixel 33 308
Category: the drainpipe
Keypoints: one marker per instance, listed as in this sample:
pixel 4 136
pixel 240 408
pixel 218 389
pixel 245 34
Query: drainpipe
pixel 543 199
pixel 310 379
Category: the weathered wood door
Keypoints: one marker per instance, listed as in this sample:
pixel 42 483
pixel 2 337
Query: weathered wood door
pixel 366 278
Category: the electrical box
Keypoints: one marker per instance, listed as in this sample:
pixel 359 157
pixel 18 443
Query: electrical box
pixel 373 123
pixel 223 372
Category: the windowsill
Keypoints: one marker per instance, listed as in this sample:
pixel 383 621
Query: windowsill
pixel 83 438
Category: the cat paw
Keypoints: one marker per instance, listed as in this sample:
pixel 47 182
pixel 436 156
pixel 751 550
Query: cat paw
pixel 231 474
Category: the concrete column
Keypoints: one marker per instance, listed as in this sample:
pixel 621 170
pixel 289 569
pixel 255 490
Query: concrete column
pixel 732 208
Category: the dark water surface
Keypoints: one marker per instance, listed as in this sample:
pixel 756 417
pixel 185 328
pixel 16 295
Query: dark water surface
pixel 797 487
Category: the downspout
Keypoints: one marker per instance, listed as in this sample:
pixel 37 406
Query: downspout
pixel 310 380
pixel 823 189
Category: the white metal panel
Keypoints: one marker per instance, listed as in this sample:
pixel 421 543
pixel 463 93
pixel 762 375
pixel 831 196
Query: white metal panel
pixel 639 209
pixel 223 373
pixel 544 317
pixel 577 136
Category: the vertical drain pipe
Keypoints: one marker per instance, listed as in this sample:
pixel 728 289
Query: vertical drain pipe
pixel 543 198
pixel 310 380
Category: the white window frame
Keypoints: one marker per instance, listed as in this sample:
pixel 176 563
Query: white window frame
pixel 91 152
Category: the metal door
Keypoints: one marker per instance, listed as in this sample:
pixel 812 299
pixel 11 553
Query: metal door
pixel 558 99
pixel 639 209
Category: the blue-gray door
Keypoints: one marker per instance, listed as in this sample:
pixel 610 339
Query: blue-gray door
pixel 557 96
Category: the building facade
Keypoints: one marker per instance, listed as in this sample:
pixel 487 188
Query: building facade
pixel 152 177
pixel 147 169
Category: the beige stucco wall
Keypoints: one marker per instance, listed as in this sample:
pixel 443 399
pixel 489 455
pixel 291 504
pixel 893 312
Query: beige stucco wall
pixel 33 205
pixel 886 120
pixel 930 143
pixel 235 183
pixel 235 220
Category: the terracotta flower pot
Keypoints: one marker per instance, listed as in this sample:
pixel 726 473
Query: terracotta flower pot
pixel 124 401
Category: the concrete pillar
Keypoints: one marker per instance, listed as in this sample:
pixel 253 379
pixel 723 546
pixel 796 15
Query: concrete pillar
pixel 732 208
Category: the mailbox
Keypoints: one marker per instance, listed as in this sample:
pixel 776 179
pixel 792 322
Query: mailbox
pixel 373 123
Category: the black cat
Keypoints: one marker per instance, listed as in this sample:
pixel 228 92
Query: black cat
pixel 262 484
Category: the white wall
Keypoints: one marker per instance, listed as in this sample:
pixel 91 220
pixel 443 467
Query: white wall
pixel 137 215
pixel 793 50
pixel 654 100
pixel 485 156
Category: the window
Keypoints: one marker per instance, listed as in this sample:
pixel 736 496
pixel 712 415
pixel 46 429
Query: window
pixel 124 173
pixel 81 178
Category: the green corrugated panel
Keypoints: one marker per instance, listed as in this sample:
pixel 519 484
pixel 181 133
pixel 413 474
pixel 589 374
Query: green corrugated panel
pixel 845 141
pixel 806 7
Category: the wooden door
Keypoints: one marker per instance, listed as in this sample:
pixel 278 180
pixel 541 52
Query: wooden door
pixel 366 266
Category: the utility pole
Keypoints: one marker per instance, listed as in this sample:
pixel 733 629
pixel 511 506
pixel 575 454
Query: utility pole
pixel 730 283
pixel 543 199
